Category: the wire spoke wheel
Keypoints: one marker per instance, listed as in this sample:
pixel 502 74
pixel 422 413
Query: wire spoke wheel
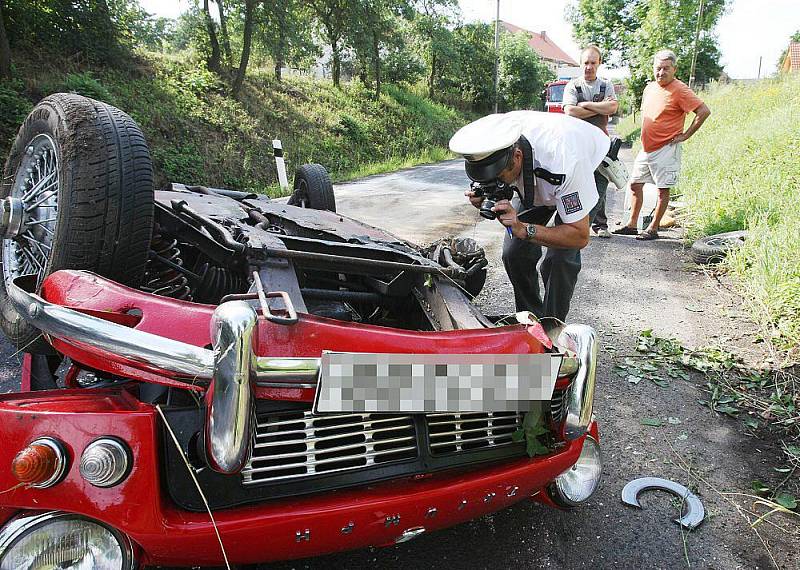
pixel 77 193
pixel 35 189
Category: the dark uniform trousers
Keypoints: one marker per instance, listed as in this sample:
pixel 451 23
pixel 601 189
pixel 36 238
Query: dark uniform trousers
pixel 559 271
pixel 597 217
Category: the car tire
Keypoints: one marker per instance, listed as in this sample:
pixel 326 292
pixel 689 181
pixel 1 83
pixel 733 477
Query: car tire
pixel 92 168
pixel 714 248
pixel 313 188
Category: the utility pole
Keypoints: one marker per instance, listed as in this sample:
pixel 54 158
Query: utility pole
pixel 497 57
pixel 694 51
pixel 759 67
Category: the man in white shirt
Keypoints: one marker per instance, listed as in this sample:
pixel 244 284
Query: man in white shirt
pixel 593 99
pixel 550 158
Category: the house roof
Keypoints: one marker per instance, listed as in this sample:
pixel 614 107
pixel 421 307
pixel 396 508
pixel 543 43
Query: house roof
pixel 543 45
pixel 792 62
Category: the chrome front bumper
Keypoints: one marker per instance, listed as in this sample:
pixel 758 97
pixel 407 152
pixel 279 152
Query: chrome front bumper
pixel 231 369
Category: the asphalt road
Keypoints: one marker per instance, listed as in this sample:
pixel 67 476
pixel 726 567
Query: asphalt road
pixel 625 286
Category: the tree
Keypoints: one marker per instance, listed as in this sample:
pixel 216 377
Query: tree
pixel 468 76
pixel 522 75
pixel 5 49
pixel 606 23
pixel 223 28
pixel 400 62
pixel 374 24
pixel 283 32
pixel 247 39
pixel 214 60
pixel 334 16
pixel 432 24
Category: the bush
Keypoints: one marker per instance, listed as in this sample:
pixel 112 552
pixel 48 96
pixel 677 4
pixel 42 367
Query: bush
pixel 14 107
pixel 86 85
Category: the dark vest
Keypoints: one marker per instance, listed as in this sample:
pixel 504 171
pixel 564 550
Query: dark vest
pixel 599 121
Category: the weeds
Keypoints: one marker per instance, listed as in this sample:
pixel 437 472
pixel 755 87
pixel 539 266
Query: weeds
pixel 762 398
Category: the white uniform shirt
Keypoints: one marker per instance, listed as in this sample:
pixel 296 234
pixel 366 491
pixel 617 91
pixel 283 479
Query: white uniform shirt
pixel 564 145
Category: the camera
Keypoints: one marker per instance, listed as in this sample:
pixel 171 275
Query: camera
pixel 492 192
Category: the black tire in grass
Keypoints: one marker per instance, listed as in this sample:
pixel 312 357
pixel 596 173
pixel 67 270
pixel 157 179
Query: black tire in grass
pixel 714 248
pixel 313 188
pixel 83 171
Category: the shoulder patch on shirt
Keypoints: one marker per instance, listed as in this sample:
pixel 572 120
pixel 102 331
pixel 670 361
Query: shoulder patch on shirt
pixel 572 203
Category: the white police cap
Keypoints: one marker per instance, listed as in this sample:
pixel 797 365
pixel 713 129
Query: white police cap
pixel 485 145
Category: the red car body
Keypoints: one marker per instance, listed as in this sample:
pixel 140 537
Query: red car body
pixel 163 533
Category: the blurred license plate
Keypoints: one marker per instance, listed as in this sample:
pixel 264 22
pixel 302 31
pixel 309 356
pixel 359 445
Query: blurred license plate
pixel 373 382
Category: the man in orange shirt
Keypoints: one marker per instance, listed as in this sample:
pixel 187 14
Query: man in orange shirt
pixel 665 104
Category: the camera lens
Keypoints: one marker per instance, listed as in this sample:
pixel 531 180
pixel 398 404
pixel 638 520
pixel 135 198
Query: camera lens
pixel 486 209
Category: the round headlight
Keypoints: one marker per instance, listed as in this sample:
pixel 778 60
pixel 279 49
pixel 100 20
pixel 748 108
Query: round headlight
pixel 580 481
pixel 105 462
pixel 60 540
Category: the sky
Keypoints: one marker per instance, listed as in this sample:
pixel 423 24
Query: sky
pixel 749 30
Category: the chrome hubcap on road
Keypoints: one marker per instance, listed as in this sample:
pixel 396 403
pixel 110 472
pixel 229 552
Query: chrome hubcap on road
pixel 29 212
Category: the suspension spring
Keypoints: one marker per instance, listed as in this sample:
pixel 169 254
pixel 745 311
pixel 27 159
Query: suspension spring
pixel 164 273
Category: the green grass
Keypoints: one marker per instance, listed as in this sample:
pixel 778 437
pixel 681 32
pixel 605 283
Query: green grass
pixel 742 171
pixel 629 130
pixel 199 135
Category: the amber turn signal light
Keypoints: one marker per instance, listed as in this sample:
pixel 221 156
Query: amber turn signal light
pixel 41 464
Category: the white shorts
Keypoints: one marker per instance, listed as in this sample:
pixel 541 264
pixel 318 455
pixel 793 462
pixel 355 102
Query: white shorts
pixel 660 167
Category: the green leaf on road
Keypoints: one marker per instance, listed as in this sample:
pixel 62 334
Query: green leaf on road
pixel 653 422
pixel 633 379
pixel 786 501
pixel 760 489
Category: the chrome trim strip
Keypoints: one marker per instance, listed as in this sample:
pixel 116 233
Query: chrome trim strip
pixel 179 358
pixel 581 340
pixel 25 522
pixel 185 361
pixel 229 398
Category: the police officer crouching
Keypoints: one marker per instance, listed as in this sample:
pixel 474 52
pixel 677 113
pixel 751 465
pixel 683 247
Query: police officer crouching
pixel 549 160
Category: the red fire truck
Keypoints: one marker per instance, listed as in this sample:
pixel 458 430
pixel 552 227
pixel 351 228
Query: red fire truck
pixel 553 96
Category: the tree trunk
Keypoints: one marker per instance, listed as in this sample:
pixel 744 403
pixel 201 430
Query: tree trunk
pixel 5 49
pixel 376 54
pixel 432 76
pixel 336 67
pixel 279 57
pixel 246 41
pixel 213 62
pixel 223 28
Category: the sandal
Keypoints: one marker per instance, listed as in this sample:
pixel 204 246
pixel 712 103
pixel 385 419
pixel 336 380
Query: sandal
pixel 625 231
pixel 647 235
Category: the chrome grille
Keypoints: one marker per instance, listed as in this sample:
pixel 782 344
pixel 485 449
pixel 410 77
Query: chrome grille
pixel 451 433
pixel 558 405
pixel 299 444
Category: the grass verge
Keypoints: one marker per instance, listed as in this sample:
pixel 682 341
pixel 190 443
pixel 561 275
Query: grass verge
pixel 198 134
pixel 741 171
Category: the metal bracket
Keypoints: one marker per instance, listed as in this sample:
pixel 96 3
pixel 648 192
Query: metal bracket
pixel 262 297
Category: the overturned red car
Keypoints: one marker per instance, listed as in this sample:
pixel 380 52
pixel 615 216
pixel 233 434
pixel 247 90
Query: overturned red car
pixel 175 345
